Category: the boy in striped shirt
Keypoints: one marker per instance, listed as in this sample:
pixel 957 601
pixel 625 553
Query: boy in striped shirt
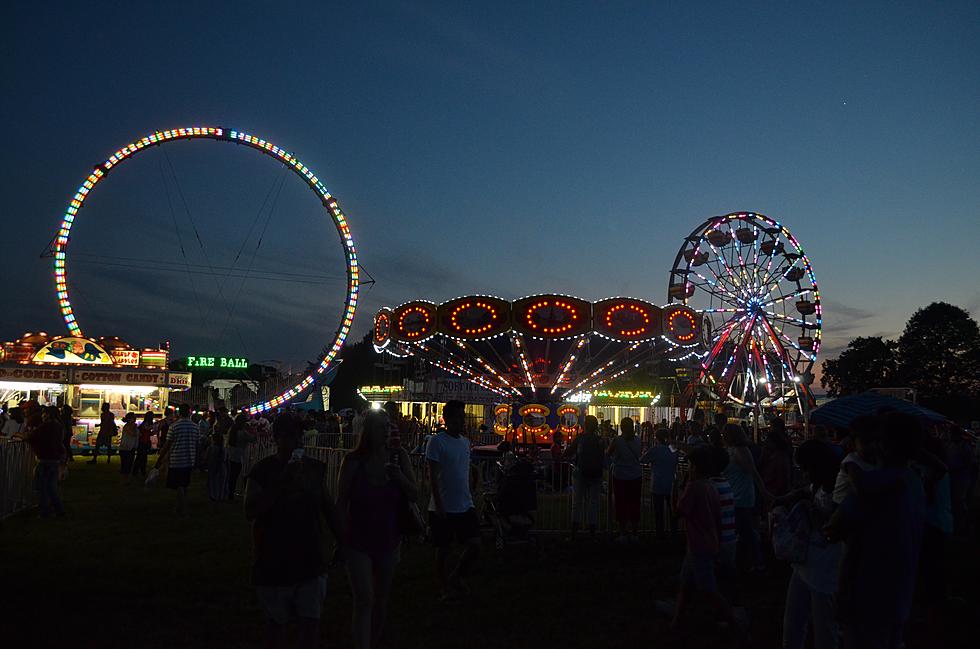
pixel 728 537
pixel 180 452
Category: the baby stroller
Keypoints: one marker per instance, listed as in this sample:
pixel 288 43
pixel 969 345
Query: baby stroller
pixel 510 510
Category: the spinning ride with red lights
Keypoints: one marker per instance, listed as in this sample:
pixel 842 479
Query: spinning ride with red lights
pixel 749 277
pixel 540 349
pixel 236 137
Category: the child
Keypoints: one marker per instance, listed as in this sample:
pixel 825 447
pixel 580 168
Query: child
pixel 701 508
pixel 728 538
pixel 663 466
pixel 866 435
pixel 217 469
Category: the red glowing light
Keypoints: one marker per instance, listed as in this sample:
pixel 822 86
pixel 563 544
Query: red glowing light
pixel 677 328
pixel 473 331
pixel 569 309
pixel 419 331
pixel 624 307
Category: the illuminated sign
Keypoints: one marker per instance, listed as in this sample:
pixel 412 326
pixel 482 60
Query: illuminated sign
pixel 33 374
pixel 126 356
pixel 217 362
pixel 119 377
pixel 73 350
pixel 388 389
pixel 179 379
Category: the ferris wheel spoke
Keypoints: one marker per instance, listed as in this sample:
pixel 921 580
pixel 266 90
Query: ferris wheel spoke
pixel 728 372
pixel 779 272
pixel 730 298
pixel 780 350
pixel 796 293
pixel 721 259
pixel 723 336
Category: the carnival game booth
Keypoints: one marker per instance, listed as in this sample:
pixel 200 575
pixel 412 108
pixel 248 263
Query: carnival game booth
pixel 85 373
pixel 423 400
pixel 639 404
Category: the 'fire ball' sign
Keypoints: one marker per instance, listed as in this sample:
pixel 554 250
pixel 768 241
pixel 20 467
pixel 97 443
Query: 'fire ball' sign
pixel 217 362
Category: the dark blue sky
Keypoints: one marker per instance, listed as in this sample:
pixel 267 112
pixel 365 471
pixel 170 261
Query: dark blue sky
pixel 498 148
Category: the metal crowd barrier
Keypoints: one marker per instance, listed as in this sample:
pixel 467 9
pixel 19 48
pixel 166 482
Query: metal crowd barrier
pixel 554 486
pixel 16 477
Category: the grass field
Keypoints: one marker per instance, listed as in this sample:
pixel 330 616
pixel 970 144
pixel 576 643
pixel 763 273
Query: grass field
pixel 121 570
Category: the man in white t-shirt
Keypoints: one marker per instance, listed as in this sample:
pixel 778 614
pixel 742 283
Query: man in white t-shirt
pixel 451 512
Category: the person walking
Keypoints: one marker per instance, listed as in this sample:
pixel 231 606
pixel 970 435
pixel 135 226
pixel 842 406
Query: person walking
pixel 180 453
pixel 810 594
pixel 586 453
pixel 107 431
pixel 663 467
pixel 882 524
pixel 746 483
pixel 45 439
pixel 376 480
pixel 68 423
pixel 217 465
pixel 626 478
pixel 776 465
pixel 14 424
pixel 286 500
pixel 145 432
pixel 451 512
pixel 239 437
pixel 701 509
pixel 127 447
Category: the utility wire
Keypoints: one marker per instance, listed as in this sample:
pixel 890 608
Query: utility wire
pixel 200 242
pixel 320 281
pixel 180 243
pixel 265 226
pixel 151 264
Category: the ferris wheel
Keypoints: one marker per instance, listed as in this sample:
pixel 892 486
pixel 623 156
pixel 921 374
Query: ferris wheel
pixel 750 277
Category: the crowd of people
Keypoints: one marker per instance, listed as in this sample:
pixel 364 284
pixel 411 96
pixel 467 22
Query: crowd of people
pixel 862 519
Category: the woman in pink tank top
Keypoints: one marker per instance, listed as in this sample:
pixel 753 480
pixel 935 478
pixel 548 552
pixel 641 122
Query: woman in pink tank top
pixel 374 478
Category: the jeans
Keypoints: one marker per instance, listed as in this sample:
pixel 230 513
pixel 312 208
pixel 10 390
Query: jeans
pixel 586 501
pixel 46 483
pixel 234 470
pixel 370 581
pixel 662 514
pixel 139 465
pixel 748 535
pixel 803 607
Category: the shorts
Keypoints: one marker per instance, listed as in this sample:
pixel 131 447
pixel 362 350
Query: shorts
pixel 178 477
pixel 462 527
pixel 698 570
pixel 283 604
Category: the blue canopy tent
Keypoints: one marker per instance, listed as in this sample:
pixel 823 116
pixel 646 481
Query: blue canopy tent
pixel 842 411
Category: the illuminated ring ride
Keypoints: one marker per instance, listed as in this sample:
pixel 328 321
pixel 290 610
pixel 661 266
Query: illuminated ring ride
pixel 236 137
pixel 755 286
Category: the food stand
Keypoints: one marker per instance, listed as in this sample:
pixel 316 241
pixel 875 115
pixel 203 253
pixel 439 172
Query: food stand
pixel 84 373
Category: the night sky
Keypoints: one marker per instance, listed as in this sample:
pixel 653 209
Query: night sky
pixel 503 149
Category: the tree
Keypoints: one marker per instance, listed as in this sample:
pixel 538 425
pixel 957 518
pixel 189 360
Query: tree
pixel 939 355
pixel 868 362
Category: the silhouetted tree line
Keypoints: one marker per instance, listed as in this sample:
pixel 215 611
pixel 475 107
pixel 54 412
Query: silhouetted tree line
pixel 937 355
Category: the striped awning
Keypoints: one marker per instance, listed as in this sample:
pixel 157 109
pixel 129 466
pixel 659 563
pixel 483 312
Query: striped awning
pixel 843 410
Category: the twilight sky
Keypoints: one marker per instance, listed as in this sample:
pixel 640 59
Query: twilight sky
pixel 499 148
